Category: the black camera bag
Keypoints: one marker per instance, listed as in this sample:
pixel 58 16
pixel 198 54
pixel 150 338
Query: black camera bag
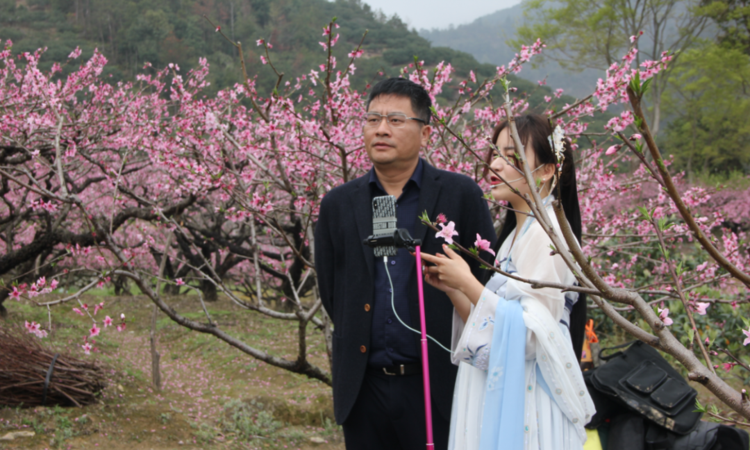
pixel 634 432
pixel 639 379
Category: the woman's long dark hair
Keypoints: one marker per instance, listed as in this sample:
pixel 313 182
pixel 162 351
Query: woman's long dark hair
pixel 537 129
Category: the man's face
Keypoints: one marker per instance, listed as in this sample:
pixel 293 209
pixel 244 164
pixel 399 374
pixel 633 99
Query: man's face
pixel 395 147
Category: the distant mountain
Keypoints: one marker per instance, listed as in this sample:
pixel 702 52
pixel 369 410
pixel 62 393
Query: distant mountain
pixel 485 39
pixel 130 33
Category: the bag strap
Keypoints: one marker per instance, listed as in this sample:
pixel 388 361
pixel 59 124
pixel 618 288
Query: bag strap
pixel 607 358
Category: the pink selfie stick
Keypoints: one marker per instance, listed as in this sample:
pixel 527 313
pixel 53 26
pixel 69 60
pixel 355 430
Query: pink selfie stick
pixel 425 362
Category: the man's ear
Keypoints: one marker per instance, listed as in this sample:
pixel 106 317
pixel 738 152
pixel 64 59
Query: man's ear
pixel 425 138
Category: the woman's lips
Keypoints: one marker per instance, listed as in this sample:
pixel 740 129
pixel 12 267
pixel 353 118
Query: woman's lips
pixel 494 181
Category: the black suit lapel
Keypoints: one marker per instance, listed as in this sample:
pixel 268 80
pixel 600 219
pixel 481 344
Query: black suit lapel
pixel 428 196
pixel 362 206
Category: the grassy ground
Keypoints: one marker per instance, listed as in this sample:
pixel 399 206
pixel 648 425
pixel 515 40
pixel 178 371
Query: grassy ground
pixel 213 396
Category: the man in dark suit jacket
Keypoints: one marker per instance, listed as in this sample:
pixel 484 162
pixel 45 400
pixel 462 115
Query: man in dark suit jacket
pixel 377 387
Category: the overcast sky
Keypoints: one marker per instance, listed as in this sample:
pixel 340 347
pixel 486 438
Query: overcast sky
pixel 439 13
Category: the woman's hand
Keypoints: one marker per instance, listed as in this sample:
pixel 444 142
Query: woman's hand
pixel 452 275
pixel 449 272
pixel 433 280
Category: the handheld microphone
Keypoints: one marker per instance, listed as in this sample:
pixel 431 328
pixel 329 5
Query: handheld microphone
pixel 383 226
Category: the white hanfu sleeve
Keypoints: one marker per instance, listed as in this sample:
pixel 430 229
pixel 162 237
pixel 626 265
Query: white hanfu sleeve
pixel 534 262
pixel 473 346
pixel 457 329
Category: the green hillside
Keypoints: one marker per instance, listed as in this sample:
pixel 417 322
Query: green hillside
pixel 132 32
pixel 486 37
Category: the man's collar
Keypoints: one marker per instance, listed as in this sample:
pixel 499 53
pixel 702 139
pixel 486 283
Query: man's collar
pixel 416 176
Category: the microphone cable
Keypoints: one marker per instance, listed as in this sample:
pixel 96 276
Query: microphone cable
pixel 393 307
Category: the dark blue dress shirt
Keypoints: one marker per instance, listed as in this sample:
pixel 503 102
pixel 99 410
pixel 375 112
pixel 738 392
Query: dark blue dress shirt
pixel 391 343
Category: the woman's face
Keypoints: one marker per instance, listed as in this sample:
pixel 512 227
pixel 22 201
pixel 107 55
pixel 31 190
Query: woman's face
pixel 501 191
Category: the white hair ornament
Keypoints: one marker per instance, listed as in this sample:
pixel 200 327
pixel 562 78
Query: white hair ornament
pixel 556 141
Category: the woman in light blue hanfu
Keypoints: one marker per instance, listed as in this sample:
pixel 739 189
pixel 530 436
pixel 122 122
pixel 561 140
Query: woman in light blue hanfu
pixel 519 382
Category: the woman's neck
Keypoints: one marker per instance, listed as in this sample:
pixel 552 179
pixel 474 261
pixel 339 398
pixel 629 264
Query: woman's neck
pixel 522 209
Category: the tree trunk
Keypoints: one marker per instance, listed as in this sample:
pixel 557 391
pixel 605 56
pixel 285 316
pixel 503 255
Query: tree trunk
pixel 231 18
pixel 328 335
pixel 656 112
pixel 121 285
pixel 155 356
pixel 210 294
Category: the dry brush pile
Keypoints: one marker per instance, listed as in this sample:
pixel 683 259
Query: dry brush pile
pixel 33 375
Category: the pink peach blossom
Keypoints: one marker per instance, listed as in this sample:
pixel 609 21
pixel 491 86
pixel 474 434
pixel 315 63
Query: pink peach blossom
pixel 483 244
pixel 447 232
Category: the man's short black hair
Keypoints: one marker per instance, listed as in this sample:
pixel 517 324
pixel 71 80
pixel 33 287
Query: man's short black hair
pixel 420 100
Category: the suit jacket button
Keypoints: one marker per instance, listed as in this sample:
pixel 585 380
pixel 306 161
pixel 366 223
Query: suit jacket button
pixel 367 306
pixel 362 348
